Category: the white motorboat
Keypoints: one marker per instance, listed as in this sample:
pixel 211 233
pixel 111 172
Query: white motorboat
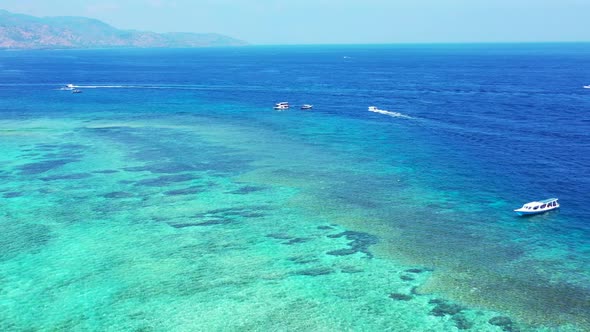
pixel 537 207
pixel 306 107
pixel 586 86
pixel 282 105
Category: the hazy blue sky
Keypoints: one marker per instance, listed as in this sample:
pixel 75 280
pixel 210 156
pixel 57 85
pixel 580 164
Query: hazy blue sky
pixel 337 21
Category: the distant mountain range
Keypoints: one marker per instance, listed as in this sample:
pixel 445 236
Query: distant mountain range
pixel 19 31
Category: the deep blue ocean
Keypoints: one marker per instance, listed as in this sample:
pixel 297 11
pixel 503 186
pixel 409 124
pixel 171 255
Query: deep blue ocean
pixel 171 170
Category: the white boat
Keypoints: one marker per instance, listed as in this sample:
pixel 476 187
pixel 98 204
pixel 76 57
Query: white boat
pixel 282 105
pixel 537 207
pixel 586 86
pixel 306 107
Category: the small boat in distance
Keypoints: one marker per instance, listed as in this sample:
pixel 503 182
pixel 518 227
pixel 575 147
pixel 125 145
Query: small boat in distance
pixel 306 107
pixel 537 207
pixel 587 86
pixel 282 105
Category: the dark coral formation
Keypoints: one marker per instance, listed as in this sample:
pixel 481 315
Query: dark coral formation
pixel 185 191
pixel 73 176
pixel 19 238
pixel 297 240
pixel 223 216
pixel 164 180
pixel 279 236
pixel 117 194
pixel 44 166
pixel 206 223
pixel 406 277
pixel 13 194
pixel 325 227
pixel 444 308
pixel 53 156
pixel 505 323
pixel 359 242
pixel 317 271
pixel 303 259
pixel 351 269
pixel 418 270
pixel 246 190
pixel 106 171
pixel 462 323
pixel 291 239
pixel 400 297
pixel 342 252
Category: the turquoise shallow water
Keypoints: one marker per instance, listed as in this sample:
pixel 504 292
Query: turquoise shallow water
pixel 188 205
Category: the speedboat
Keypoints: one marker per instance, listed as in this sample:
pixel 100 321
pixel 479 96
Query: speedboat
pixel 282 105
pixel 586 86
pixel 537 207
pixel 306 107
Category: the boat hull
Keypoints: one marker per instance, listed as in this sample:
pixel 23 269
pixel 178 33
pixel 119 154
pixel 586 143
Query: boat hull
pixel 530 213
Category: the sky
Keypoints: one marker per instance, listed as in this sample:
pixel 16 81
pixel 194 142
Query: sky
pixel 337 21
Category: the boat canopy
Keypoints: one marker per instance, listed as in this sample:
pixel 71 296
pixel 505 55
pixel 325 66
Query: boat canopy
pixel 549 200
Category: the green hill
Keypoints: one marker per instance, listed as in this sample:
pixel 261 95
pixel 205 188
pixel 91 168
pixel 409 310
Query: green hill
pixel 19 31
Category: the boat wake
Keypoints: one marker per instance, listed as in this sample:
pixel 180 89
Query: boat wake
pixel 74 86
pixel 389 113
